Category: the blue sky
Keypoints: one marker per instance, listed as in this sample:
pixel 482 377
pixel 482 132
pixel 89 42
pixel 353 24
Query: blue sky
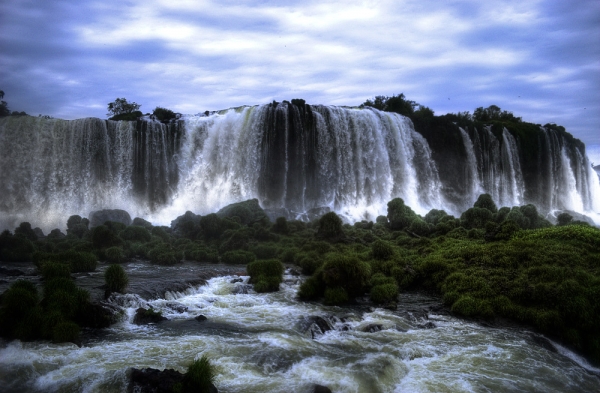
pixel 538 59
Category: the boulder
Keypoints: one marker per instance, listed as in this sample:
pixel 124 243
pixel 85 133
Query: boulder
pixel 372 328
pixel 321 389
pixel 248 211
pixel 140 222
pixel 151 380
pixel 99 217
pixel 200 318
pixel 145 316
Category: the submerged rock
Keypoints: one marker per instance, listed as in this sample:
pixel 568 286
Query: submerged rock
pixel 372 328
pixel 200 318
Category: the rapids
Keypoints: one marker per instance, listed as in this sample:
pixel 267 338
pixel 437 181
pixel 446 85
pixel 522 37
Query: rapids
pixel 260 343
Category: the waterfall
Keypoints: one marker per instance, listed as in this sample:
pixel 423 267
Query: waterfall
pixel 292 157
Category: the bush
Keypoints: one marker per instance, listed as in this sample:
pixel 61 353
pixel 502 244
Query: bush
pixel 115 278
pixel 265 251
pixel 336 296
pixel 114 255
pixel 103 237
pixel 65 331
pixel 237 257
pixel 384 293
pixel 312 289
pixel 281 226
pixel 77 226
pixel 200 376
pixel 399 215
pixel 24 229
pixel 163 114
pixel 330 226
pixel 136 233
pixel 381 250
pixel 52 270
pixel 485 201
pixel 476 217
pixel 266 275
pixel 348 272
pixel 15 248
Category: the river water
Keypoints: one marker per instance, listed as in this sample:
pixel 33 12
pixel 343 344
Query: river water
pixel 265 343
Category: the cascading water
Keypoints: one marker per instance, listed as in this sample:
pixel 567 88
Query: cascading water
pixel 291 157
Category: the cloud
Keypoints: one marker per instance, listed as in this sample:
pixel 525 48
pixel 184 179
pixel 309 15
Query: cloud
pixel 538 59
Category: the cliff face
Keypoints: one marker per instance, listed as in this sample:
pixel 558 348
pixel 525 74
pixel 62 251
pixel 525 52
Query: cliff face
pixel 290 156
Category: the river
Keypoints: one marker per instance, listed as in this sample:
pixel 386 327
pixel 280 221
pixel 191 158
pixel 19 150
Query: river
pixel 264 343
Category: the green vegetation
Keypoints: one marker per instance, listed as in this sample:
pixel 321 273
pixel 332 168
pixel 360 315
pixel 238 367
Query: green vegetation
pixel 266 275
pixel 200 377
pixel 121 109
pixel 492 262
pixel 116 279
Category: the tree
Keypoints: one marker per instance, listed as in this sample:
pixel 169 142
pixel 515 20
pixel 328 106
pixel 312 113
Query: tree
pixel 397 103
pixel 121 109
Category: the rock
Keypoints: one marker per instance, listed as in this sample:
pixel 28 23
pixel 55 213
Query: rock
pixel 248 211
pixel 428 325
pixel 372 328
pixel 293 272
pixel 99 217
pixel 275 213
pixel 144 316
pixel 317 326
pixel 200 318
pixel 177 307
pixel 151 380
pixel 100 315
pixel 242 289
pixel 321 389
pixel 140 222
pixel 236 280
pixel 11 272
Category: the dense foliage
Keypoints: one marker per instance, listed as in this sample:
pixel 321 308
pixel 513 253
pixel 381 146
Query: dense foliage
pixel 490 262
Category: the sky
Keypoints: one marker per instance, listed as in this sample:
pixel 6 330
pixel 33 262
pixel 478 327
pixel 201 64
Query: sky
pixel 537 59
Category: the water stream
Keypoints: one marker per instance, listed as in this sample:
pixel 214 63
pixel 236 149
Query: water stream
pixel 267 343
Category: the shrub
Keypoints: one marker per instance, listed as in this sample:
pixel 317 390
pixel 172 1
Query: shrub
pixel 313 288
pixel 237 257
pixel 115 278
pixel 280 226
pixel 212 226
pixel 485 201
pixel 266 275
pixel 77 226
pixel 419 227
pixel 24 229
pixel 237 240
pixel 114 255
pixel 475 217
pixel 309 262
pixel 52 270
pixel 265 251
pixel 381 250
pixel 15 248
pixel 136 233
pixel 163 114
pixel 399 215
pixel 200 376
pixel 348 272
pixel 330 226
pixel 336 296
pixel 384 293
pixel 65 331
pixel 103 237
